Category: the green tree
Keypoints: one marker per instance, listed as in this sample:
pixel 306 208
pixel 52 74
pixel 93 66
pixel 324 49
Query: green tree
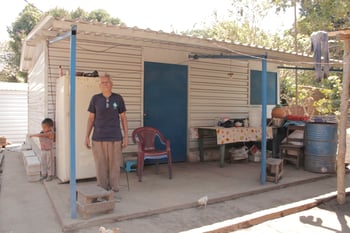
pixel 23 25
pixel 249 14
pixel 99 15
pixel 319 15
pixel 326 15
pixel 58 12
pixel 243 28
pixel 79 14
pixel 7 73
pixel 102 16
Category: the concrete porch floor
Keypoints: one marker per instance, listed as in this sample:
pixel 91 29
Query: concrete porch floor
pixel 157 194
pixel 27 207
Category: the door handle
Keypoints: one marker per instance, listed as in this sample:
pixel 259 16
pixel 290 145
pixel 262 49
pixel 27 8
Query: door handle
pixel 145 114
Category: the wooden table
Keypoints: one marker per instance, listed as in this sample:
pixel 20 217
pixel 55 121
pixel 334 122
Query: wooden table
pixel 229 135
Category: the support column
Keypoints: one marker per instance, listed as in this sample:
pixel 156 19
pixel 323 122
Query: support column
pixel 341 195
pixel 263 120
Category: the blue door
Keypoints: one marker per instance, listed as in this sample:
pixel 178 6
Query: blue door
pixel 165 104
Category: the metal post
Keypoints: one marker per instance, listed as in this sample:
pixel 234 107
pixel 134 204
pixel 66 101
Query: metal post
pixel 72 122
pixel 341 184
pixel 72 34
pixel 263 120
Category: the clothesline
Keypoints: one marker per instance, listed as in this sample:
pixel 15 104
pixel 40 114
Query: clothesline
pixel 280 61
pixel 306 68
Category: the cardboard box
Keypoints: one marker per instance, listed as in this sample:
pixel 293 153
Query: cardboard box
pixel 255 157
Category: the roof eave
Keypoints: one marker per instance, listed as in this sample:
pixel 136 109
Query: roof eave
pixel 50 27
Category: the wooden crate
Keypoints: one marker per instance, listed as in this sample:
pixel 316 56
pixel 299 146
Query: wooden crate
pixel 274 169
pixel 93 199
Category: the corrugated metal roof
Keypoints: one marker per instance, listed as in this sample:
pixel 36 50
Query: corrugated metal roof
pixel 50 28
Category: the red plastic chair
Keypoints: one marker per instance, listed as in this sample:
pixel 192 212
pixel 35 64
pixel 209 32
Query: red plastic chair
pixel 145 138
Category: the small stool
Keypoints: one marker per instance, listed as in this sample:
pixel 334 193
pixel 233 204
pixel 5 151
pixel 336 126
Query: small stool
pixel 94 199
pixel 274 169
pixel 129 164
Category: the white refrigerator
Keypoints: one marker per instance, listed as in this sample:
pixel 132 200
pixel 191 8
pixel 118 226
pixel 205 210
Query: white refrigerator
pixel 86 87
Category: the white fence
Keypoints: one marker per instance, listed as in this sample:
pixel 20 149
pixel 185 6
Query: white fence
pixel 14 111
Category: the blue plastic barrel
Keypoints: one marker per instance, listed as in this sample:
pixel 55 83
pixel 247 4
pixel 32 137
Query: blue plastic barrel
pixel 321 141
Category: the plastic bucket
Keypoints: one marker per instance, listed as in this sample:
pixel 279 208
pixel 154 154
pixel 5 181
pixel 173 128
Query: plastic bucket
pixel 321 140
pixel 254 117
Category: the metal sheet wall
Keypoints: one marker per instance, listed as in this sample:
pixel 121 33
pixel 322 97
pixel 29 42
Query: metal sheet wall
pixel 14 111
pixel 123 63
pixel 215 93
pixel 37 98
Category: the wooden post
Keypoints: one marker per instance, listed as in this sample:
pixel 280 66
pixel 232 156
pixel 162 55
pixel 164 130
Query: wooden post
pixel 342 125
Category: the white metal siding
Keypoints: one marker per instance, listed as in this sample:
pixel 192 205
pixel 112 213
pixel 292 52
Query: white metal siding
pixel 13 111
pixel 37 98
pixel 213 94
pixel 123 63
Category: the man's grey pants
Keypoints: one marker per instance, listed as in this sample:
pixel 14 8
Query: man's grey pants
pixel 108 156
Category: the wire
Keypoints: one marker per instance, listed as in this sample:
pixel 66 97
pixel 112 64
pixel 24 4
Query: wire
pixel 32 5
pixel 277 60
pixel 219 46
pixel 98 51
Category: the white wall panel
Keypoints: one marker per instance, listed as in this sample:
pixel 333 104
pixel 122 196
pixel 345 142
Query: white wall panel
pixel 123 63
pixel 214 93
pixel 14 111
pixel 37 96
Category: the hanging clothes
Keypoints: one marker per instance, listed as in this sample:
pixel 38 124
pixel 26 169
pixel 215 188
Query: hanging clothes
pixel 319 45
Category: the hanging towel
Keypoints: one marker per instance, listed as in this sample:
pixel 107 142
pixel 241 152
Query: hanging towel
pixel 319 45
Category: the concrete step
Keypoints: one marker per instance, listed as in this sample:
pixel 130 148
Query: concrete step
pixel 32 167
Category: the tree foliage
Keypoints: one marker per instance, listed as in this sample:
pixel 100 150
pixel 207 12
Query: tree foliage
pixel 246 26
pixel 319 15
pixel 7 74
pixel 325 15
pixel 314 15
pixel 23 25
pixel 98 15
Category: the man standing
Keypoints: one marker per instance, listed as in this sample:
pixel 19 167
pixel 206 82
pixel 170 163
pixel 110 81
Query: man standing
pixel 107 110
